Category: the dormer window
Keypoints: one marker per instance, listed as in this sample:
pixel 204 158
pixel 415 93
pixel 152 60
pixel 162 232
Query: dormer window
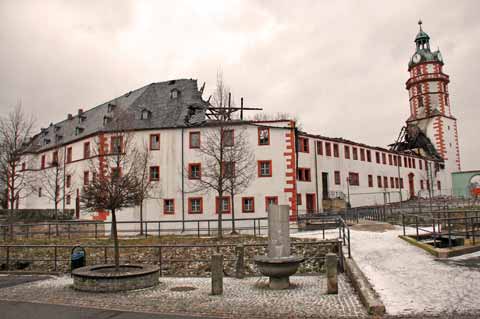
pixel 57 128
pixel 82 118
pixel 58 137
pixel 46 141
pixel 106 120
pixel 145 114
pixel 110 107
pixel 78 130
pixel 174 94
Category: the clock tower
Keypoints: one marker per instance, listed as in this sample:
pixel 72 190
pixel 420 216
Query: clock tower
pixel 430 108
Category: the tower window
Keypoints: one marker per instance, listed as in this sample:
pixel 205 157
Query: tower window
pixel 174 94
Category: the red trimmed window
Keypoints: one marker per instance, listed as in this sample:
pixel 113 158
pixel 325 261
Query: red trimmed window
pixel 116 144
pixel 195 205
pixel 228 169
pixel 299 199
pixel 420 164
pixel 328 149
pixel 379 181
pixel 369 156
pixel 169 206
pixel 228 137
pixel 68 181
pixel 346 150
pixel 336 152
pixel 409 162
pixel 69 154
pixel 370 181
pixel 222 205
pixel 337 178
pixel 362 154
pixel 390 160
pixel 385 181
pixel 426 167
pixel 69 199
pixel 194 170
pixel 439 185
pixel 154 173
pixel 413 163
pixel 86 177
pixel 399 161
pixel 319 147
pixel 303 145
pixel 377 157
pixel 354 153
pixel 392 182
pixel 263 136
pixel 353 179
pixel 55 158
pixel 194 139
pixel 264 168
pixel 248 204
pixel 394 160
pixel 421 184
pixel 405 162
pixel 384 158
pixel 270 200
pixel 303 174
pixel 397 183
pixel 86 150
pixel 154 142
pixel 42 163
pixel 401 182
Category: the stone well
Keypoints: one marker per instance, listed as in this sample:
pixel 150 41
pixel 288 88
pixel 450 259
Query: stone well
pixel 104 278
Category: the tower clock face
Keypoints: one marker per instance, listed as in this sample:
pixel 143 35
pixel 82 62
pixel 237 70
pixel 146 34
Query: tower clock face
pixel 416 58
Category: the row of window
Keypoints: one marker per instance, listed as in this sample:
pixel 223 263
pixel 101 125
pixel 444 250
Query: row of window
pixel 353 179
pixel 426 184
pixel 355 153
pixel 195 205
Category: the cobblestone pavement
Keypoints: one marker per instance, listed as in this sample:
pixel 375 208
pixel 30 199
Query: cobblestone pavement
pixel 411 282
pixel 246 298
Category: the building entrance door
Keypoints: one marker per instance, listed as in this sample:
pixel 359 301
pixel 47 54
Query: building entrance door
pixel 310 203
pixel 324 185
pixel 411 185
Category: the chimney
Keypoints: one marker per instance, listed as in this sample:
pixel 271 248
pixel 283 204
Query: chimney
pixel 80 111
pixel 69 116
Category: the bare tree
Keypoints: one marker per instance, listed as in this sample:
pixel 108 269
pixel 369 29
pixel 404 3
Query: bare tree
pixel 115 183
pixel 242 168
pixel 15 130
pixel 53 180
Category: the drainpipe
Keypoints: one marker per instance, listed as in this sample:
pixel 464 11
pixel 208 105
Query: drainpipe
pixel 64 176
pixel 316 177
pixel 183 184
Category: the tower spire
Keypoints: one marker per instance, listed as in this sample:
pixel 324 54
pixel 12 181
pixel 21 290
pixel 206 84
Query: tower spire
pixel 420 24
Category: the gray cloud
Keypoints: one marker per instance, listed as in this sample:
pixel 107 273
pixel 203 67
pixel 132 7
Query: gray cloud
pixel 341 66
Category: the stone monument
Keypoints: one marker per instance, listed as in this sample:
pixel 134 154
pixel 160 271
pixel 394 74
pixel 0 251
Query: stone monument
pixel 279 264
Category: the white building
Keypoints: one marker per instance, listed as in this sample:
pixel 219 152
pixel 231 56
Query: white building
pixel 296 168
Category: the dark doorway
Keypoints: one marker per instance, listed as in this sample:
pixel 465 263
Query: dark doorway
pixel 311 207
pixel 325 185
pixel 411 185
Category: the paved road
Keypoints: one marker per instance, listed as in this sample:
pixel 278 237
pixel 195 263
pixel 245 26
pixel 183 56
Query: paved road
pixel 26 310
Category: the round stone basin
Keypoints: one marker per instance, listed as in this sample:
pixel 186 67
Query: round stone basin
pixel 104 278
pixel 278 269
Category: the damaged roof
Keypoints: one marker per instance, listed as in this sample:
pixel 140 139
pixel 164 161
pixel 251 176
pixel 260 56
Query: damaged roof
pixel 174 103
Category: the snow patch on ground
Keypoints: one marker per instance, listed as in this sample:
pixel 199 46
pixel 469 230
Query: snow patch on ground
pixel 410 280
pixel 54 282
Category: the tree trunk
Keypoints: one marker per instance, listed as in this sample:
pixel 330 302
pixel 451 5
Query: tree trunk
pixel 234 232
pixel 116 252
pixel 141 217
pixel 219 212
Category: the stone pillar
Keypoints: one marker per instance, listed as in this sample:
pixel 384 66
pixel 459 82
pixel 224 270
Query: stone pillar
pixel 331 266
pixel 217 274
pixel 240 264
pixel 278 231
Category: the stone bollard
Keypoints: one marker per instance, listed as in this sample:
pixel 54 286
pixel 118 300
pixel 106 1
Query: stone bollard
pixel 217 274
pixel 331 266
pixel 240 264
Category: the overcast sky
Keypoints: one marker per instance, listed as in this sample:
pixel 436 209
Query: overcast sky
pixel 340 66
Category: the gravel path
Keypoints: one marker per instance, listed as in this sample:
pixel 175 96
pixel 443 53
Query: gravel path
pixel 246 298
pixel 409 280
